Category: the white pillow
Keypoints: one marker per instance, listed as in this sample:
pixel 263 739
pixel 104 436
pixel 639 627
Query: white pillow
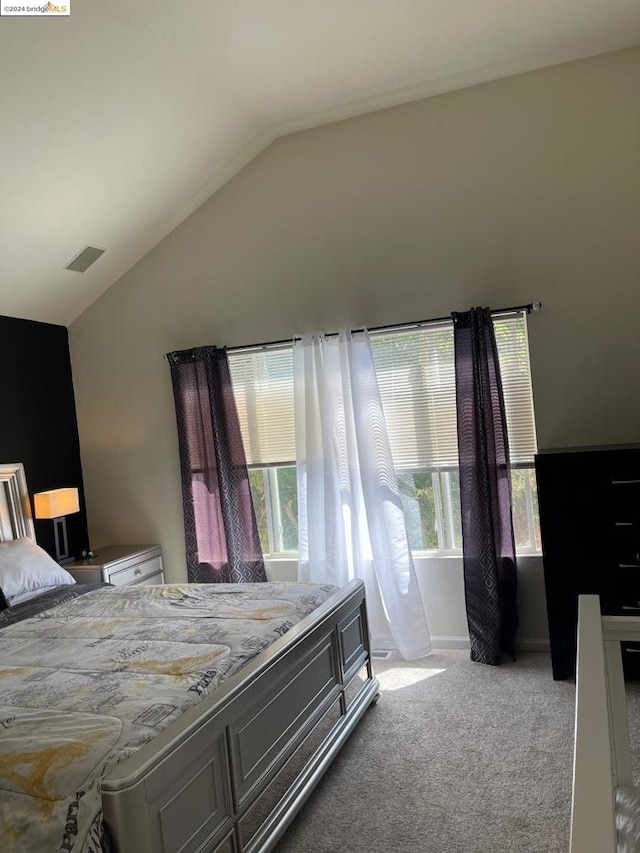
pixel 24 566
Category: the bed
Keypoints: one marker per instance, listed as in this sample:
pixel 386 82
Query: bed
pixel 226 774
pixel 605 813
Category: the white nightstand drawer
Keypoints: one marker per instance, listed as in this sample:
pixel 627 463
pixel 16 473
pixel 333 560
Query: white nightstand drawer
pixel 138 573
pixel 151 580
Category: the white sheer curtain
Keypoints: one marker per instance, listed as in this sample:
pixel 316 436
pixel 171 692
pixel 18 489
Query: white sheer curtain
pixel 351 522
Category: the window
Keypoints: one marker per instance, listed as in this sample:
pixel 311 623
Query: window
pixel 263 389
pixel 416 374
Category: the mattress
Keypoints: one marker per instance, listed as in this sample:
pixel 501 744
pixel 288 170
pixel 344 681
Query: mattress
pixel 45 601
pixel 85 684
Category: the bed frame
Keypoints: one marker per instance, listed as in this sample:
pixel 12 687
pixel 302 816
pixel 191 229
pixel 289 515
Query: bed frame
pixel 231 773
pixel 602 756
pixel 15 506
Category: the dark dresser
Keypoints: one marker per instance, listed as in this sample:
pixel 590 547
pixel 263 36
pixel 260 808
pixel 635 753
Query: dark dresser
pixel 590 523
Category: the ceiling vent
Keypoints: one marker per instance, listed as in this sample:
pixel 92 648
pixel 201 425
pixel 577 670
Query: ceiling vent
pixel 83 260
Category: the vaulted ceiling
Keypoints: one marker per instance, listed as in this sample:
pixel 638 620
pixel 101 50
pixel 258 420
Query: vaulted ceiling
pixel 118 121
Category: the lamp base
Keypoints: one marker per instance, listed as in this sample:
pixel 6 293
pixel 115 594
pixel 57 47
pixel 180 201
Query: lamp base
pixel 61 541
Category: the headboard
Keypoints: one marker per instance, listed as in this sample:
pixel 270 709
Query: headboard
pixel 15 507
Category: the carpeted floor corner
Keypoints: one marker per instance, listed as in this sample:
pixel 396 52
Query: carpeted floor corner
pixel 455 758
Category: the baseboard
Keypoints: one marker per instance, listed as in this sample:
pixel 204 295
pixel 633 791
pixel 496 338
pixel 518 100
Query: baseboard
pixel 450 643
pixel 533 645
pixel 463 643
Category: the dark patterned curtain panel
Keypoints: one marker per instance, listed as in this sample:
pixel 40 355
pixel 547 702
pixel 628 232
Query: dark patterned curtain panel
pixel 485 490
pixel 221 534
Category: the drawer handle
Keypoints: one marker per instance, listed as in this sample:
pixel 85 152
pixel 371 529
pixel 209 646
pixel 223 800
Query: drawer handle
pixel 631 606
pixel 137 571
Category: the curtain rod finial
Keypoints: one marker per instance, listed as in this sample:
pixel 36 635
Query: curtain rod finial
pixel 536 306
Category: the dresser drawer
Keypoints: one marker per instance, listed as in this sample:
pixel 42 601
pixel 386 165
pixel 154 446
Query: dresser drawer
pixel 618 605
pixel 138 573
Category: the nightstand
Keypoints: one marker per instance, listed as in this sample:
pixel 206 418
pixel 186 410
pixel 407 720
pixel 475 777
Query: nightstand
pixel 121 565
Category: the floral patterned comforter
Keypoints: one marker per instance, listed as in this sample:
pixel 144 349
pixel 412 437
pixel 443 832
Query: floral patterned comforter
pixel 85 684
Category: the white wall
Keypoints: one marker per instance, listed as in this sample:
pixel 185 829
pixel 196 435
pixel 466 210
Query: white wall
pixel 523 189
pixel 441 584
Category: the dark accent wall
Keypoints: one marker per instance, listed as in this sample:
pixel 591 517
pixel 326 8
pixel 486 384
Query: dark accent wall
pixel 38 424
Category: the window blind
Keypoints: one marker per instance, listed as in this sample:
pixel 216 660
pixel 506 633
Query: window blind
pixel 515 370
pixel 416 375
pixel 263 389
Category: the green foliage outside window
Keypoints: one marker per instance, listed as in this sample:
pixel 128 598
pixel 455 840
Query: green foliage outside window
pixel 288 501
pixel 418 501
pixel 275 497
pixel 256 481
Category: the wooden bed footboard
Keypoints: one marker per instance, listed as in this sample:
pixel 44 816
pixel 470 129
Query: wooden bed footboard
pixel 231 773
pixel 602 753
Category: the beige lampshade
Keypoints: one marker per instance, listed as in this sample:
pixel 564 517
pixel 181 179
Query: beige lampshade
pixel 56 503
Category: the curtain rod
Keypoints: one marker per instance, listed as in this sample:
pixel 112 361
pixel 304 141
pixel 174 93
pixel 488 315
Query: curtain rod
pixel 529 307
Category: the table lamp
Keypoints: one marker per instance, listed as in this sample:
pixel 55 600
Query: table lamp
pixel 56 505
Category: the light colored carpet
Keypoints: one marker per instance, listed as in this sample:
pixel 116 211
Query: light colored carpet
pixel 455 758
